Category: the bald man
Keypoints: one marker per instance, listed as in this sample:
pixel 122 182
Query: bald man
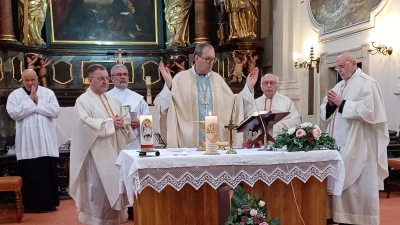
pixel 356 117
pixel 271 100
pixel 33 108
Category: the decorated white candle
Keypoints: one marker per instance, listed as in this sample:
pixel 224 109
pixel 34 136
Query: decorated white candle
pixel 211 132
pixel 146 132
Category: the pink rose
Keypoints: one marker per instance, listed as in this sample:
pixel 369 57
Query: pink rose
pixel 316 133
pixel 300 133
pixel 253 212
pixel 264 223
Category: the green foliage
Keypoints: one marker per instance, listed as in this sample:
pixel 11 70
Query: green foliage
pixel 242 204
pixel 307 142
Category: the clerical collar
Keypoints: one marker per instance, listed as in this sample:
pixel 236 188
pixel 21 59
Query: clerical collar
pixel 194 71
pixel 28 92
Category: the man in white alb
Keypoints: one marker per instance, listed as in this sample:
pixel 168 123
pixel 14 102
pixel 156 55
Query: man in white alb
pixel 272 100
pixel 33 108
pixel 356 117
pixel 101 129
pixel 130 100
pixel 198 92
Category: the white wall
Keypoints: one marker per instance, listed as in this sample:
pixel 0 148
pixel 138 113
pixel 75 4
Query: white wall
pixel 385 69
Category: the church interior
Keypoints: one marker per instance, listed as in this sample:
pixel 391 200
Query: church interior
pixel 299 41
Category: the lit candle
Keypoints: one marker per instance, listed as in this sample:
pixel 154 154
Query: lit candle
pixel 148 80
pixel 211 132
pixel 299 58
pixel 295 56
pixel 146 132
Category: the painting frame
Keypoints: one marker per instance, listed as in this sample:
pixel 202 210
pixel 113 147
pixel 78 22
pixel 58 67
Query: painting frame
pixel 325 36
pixel 105 38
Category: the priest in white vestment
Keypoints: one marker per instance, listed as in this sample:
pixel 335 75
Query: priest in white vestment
pixel 272 100
pixel 101 129
pixel 129 99
pixel 196 93
pixel 33 108
pixel 355 112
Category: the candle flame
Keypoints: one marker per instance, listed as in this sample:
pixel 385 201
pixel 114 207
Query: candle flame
pixel 209 113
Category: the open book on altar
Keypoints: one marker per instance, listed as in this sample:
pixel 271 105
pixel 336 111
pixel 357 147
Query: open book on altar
pixel 253 123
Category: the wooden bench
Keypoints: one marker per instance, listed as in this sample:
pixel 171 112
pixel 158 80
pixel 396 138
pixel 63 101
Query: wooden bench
pixel 13 183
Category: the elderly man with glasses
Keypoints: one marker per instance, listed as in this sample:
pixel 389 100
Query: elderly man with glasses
pixel 272 100
pixel 198 92
pixel 356 117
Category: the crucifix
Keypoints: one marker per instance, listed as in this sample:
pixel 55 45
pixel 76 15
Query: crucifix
pixel 230 127
pixel 119 60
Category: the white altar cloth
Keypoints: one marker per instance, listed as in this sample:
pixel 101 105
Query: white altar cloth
pixel 247 166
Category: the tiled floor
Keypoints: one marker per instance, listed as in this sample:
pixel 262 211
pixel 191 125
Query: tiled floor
pixel 66 213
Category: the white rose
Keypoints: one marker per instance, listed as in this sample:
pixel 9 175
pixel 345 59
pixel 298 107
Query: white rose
pixel 261 203
pixel 316 127
pixel 306 124
pixel 291 130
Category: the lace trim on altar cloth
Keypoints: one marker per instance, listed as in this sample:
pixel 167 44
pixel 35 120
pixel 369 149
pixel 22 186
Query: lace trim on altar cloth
pixel 231 175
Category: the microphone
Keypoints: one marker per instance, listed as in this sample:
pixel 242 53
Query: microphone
pixel 259 115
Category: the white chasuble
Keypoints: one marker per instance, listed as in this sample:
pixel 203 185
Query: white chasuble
pixel 95 145
pixel 180 104
pixel 135 103
pixel 361 132
pixel 35 129
pixel 279 103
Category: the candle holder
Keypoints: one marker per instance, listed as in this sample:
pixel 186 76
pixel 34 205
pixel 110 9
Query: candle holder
pixel 202 127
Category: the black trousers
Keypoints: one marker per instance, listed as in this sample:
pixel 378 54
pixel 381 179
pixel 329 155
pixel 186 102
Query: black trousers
pixel 39 183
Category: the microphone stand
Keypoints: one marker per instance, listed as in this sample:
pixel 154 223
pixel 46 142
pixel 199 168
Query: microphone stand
pixel 262 122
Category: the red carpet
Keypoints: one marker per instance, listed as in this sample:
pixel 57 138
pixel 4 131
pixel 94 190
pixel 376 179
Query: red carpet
pixel 66 213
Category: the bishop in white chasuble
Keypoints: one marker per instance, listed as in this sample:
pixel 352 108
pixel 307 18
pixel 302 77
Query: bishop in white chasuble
pixel 355 111
pixel 101 129
pixel 195 93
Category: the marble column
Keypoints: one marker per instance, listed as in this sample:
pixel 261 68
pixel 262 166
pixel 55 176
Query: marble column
pixel 6 21
pixel 202 32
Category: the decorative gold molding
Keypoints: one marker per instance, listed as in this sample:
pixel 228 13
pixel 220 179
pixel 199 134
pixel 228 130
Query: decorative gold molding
pixel 1 70
pixel 217 61
pixel 223 67
pixel 108 61
pixel 13 70
pixel 144 73
pixel 70 72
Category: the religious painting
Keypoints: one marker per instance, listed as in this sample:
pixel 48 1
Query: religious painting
pixel 108 22
pixel 146 129
pixel 343 16
pixel 108 65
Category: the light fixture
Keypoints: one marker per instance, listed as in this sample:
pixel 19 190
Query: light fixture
pixel 381 49
pixel 305 64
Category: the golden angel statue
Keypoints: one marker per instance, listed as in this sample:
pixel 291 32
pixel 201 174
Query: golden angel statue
pixel 36 10
pixel 177 16
pixel 243 15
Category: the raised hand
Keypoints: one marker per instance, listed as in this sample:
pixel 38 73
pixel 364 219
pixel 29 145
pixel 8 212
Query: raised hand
pixel 252 78
pixel 166 75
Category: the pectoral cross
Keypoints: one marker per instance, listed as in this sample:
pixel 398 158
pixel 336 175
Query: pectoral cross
pixel 230 127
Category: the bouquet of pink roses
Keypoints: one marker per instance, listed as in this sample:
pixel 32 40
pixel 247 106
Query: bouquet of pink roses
pixel 246 209
pixel 305 137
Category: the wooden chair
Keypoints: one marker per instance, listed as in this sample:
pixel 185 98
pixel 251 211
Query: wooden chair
pixel 392 163
pixel 13 183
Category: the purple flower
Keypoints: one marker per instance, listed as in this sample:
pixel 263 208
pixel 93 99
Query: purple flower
pixel 253 212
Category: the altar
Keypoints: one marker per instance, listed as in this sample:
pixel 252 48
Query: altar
pixel 175 188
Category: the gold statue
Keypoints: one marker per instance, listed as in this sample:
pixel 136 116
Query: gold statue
pixel 38 64
pixel 177 16
pixel 243 15
pixel 36 15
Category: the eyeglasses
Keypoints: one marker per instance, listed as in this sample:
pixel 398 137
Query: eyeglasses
pixel 272 83
pixel 102 79
pixel 121 75
pixel 341 66
pixel 209 60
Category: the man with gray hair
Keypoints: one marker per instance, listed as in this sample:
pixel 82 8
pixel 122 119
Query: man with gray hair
pixel 356 117
pixel 272 100
pixel 198 92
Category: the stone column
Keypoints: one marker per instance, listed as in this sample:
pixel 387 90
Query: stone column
pixel 6 21
pixel 202 32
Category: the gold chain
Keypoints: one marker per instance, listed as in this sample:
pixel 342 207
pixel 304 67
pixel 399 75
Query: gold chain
pixel 108 113
pixel 337 109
